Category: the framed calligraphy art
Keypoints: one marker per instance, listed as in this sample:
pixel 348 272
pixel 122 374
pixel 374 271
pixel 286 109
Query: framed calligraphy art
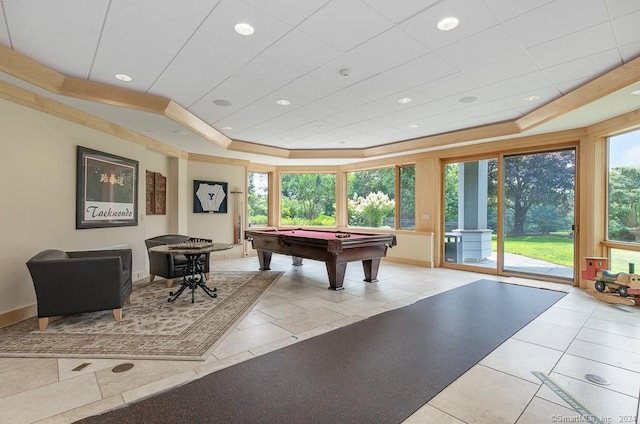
pixel 106 190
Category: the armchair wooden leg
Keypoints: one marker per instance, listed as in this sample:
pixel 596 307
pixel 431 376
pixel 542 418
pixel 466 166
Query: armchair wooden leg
pixel 128 300
pixel 117 314
pixel 42 323
pixel 151 278
pixel 206 275
pixel 169 282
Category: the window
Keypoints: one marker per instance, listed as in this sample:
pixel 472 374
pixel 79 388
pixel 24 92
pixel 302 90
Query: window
pixel 624 188
pixel 308 199
pixel 407 197
pixel 372 200
pixel 258 199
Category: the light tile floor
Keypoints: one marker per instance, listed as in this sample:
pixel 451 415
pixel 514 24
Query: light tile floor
pixel 578 335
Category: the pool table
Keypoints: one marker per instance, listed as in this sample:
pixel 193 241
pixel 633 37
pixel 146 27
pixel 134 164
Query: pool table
pixel 334 248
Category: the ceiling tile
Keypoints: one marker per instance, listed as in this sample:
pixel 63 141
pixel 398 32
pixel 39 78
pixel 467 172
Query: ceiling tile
pixel 619 8
pixel 185 82
pixel 344 100
pixel 290 11
pixel 398 11
pixel 353 23
pixel 236 90
pixel 79 13
pixel 300 51
pixel 627 28
pixel 268 73
pixel 370 110
pixel 448 86
pixel 68 46
pixel 220 55
pixel 316 110
pixel 119 56
pixel 485 46
pixel 190 13
pixel 507 9
pixel 502 68
pixel 423 69
pixel 228 13
pixel 473 16
pixel 630 51
pixel 309 87
pixel 546 95
pixel 132 24
pixel 585 67
pixel 378 86
pixel 526 84
pixel 357 70
pixel 556 19
pixel 389 49
pixel 573 46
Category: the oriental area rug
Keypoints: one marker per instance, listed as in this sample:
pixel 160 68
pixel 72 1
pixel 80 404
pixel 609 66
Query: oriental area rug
pixel 151 327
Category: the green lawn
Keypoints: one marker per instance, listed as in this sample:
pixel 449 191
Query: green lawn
pixel 554 249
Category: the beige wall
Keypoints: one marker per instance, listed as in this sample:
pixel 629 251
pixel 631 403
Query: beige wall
pixel 38 197
pixel 38 183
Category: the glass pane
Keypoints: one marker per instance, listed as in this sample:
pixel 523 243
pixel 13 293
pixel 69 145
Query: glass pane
pixel 408 197
pixel 620 260
pixel 371 198
pixel 308 200
pixel 539 213
pixel 258 194
pixel 470 213
pixel 624 187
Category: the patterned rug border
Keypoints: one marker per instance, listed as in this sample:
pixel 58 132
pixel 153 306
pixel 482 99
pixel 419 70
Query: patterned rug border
pixel 193 343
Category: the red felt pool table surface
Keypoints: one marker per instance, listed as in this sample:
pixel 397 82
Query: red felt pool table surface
pixel 335 248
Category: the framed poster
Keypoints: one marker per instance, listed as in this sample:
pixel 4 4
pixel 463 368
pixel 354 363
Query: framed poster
pixel 209 197
pixel 106 190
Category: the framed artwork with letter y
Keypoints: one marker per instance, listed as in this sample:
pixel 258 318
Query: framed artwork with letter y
pixel 209 197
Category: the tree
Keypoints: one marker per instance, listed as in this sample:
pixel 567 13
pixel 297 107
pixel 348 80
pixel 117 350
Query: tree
pixel 624 202
pixel 308 196
pixel 537 179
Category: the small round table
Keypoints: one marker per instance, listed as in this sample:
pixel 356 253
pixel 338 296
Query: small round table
pixel 193 276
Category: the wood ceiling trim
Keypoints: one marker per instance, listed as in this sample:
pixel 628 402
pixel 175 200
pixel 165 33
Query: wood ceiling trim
pixel 612 81
pixel 29 70
pixel 29 99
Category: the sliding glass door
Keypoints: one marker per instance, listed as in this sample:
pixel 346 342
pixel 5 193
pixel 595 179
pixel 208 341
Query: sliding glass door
pixel 470 213
pixel 539 214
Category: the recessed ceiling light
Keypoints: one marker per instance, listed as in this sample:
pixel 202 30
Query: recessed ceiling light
pixel 244 28
pixel 467 99
pixel 123 77
pixel 342 142
pixel 532 98
pixel 227 128
pixel 414 126
pixel 283 102
pixel 222 102
pixel 635 93
pixel 448 24
pixel 405 100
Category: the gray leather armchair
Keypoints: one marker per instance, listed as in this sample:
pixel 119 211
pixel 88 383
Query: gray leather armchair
pixel 170 266
pixel 84 281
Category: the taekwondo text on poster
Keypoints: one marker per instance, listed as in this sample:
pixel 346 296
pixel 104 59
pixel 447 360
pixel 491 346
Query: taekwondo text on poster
pixel 209 197
pixel 106 190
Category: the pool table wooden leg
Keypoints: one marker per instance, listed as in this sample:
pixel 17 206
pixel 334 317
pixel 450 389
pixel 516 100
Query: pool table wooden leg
pixel 371 270
pixel 264 256
pixel 336 274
